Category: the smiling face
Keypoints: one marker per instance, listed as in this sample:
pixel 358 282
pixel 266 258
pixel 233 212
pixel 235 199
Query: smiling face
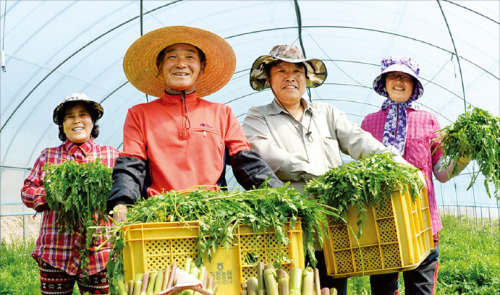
pixel 77 123
pixel 399 86
pixel 288 81
pixel 181 68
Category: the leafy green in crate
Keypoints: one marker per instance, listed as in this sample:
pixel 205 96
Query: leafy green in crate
pixel 220 213
pixel 369 181
pixel 475 133
pixel 78 193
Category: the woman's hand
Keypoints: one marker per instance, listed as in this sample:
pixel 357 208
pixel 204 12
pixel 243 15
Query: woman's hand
pixel 465 159
pixel 42 207
pixel 422 178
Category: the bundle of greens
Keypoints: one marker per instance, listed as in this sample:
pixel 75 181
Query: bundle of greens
pixel 475 133
pixel 220 213
pixel 369 181
pixel 78 194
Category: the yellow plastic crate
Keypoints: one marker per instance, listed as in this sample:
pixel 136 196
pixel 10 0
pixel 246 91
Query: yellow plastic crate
pixel 395 238
pixel 153 246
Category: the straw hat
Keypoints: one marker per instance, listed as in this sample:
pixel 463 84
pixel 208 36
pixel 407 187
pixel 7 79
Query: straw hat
pixel 316 69
pixel 405 65
pixel 77 97
pixel 139 63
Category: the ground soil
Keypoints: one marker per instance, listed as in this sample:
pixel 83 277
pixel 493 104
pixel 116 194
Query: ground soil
pixel 15 228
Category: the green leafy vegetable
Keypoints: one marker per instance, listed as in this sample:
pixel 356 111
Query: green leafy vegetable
pixel 220 213
pixel 475 133
pixel 369 181
pixel 78 194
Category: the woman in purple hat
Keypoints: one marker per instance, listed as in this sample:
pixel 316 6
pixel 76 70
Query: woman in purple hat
pixel 412 131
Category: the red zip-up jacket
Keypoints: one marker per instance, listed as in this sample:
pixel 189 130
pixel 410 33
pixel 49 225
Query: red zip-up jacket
pixel 176 144
pixel 183 141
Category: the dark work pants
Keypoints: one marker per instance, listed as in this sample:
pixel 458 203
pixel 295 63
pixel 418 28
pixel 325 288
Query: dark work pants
pixel 327 281
pixel 420 281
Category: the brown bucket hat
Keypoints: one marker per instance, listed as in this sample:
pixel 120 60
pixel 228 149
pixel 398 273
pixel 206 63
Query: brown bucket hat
pixel 139 63
pixel 316 69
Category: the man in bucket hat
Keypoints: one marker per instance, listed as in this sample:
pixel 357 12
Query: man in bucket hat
pixel 301 140
pixel 180 140
pixel 402 125
pixel 57 251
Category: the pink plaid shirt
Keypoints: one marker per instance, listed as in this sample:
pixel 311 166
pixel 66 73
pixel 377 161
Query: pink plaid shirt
pixel 419 148
pixel 61 250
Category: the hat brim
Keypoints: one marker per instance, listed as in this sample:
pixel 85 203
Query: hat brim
pixel 139 63
pixel 316 71
pixel 379 85
pixel 98 109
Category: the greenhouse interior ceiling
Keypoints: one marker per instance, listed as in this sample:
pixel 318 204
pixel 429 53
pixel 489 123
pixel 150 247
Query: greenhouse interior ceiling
pixel 51 49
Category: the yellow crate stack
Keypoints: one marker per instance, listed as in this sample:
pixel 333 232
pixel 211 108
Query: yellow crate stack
pixel 153 246
pixel 396 237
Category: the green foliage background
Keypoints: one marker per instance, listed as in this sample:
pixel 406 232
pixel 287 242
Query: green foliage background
pixel 470 259
pixel 469 263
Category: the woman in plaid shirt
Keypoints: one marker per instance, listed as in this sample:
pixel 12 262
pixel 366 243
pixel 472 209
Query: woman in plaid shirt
pixel 58 252
pixel 401 124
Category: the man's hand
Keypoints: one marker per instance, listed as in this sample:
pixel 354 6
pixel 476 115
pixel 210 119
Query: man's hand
pixel 152 192
pixel 120 213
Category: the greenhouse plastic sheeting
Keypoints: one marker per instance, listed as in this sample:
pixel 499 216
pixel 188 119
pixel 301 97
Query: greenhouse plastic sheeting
pixel 54 48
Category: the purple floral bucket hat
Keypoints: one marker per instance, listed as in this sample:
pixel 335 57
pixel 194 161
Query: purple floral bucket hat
pixel 405 65
pixel 316 69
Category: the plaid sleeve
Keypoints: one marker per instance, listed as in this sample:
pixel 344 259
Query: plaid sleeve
pixel 436 149
pixel 33 192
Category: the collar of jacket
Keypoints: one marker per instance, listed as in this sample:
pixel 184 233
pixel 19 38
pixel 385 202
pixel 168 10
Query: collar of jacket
pixel 175 99
pixel 275 109
pixel 86 147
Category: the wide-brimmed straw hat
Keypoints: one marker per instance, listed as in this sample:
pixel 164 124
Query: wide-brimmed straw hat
pixel 316 69
pixel 77 97
pixel 405 65
pixel 139 63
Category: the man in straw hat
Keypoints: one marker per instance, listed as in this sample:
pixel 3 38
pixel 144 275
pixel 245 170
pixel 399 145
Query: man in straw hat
pixel 401 124
pixel 180 140
pixel 57 251
pixel 301 140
